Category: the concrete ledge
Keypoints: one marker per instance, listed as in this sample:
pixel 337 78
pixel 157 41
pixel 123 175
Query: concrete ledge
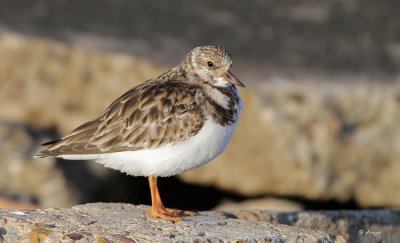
pixel 110 222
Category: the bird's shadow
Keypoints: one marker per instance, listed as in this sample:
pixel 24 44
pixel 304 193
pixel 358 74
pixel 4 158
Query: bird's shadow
pixel 114 186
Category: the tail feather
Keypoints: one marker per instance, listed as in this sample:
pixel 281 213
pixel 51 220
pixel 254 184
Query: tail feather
pixel 49 143
pixel 47 152
pixel 73 149
pixel 74 143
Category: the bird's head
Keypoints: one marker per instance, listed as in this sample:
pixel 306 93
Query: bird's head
pixel 212 64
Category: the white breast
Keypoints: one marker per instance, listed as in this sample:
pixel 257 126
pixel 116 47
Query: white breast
pixel 208 143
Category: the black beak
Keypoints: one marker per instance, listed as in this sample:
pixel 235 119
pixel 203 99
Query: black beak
pixel 231 78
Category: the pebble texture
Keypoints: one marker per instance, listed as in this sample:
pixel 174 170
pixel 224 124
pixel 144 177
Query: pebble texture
pixel 103 222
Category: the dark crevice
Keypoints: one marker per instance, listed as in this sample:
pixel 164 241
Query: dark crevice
pixel 118 187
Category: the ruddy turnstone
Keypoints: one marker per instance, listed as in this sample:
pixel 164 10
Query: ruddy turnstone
pixel 164 126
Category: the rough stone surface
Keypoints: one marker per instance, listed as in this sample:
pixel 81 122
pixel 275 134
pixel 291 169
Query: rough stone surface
pixel 306 138
pixel 354 226
pixel 128 223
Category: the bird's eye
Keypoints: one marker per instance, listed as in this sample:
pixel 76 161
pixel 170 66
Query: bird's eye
pixel 210 64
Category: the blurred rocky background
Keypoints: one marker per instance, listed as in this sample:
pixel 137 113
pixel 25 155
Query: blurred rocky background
pixel 320 128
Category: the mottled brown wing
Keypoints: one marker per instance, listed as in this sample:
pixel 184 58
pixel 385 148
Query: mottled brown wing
pixel 150 115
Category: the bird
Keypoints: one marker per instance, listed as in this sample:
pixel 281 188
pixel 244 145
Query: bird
pixel 164 126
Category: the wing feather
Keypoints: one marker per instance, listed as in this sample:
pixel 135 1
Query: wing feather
pixel 148 116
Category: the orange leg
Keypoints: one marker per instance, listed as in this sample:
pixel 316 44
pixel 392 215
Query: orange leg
pixel 172 211
pixel 157 209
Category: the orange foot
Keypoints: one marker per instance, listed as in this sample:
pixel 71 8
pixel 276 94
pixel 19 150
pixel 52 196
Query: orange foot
pixel 177 212
pixel 163 214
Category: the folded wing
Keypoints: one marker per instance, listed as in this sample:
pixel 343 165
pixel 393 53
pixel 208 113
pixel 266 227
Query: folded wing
pixel 151 115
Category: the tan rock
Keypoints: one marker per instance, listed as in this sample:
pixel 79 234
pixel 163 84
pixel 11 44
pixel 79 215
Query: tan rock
pixel 54 84
pixel 12 204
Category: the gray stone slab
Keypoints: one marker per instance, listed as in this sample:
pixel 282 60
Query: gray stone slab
pixel 110 222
